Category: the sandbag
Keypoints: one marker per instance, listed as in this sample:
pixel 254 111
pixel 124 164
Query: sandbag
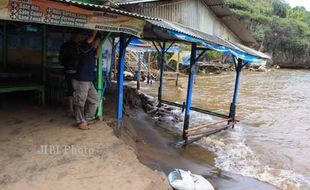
pixel 185 180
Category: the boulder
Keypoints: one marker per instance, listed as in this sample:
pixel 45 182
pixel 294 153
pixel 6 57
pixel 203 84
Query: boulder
pixel 262 69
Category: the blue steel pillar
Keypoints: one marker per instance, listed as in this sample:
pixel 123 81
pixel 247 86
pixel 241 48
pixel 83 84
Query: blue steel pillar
pixel 189 90
pixel 232 112
pixel 120 80
pixel 139 71
pixel 162 66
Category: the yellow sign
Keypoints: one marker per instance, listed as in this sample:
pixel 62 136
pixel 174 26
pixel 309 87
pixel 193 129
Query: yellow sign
pixel 55 13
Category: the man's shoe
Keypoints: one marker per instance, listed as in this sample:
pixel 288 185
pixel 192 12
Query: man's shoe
pixel 91 122
pixel 83 125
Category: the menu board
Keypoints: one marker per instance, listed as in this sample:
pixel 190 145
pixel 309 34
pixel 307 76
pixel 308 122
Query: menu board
pixel 61 14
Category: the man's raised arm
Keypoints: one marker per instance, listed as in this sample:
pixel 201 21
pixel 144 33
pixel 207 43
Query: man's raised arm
pixel 92 37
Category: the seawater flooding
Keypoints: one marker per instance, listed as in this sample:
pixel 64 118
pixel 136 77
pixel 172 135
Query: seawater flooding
pixel 272 141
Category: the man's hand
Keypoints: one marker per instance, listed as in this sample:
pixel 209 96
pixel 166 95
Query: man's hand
pixel 92 37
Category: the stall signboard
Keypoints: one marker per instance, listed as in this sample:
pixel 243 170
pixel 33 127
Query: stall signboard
pixel 62 14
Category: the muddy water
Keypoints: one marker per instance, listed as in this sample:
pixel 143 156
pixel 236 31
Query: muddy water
pixel 272 141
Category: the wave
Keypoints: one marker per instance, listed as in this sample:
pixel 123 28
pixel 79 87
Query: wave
pixel 234 155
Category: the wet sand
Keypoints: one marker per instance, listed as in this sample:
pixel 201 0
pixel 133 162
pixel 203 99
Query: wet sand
pixel 108 164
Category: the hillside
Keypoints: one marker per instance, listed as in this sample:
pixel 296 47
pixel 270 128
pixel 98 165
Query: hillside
pixel 279 29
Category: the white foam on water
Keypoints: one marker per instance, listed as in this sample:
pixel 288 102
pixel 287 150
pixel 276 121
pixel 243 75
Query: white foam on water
pixel 233 155
pixel 195 119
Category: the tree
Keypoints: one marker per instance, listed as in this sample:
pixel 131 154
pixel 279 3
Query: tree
pixel 280 8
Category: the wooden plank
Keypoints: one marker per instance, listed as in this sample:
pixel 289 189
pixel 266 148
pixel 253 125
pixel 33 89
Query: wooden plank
pixel 194 139
pixel 207 125
pixel 211 131
pixel 197 109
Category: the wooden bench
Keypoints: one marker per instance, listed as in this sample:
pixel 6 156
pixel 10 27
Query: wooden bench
pixel 20 88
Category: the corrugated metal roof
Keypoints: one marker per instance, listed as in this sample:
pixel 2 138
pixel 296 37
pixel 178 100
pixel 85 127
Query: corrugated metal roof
pixel 176 27
pixel 191 32
pixel 107 8
pixel 128 2
pixel 251 51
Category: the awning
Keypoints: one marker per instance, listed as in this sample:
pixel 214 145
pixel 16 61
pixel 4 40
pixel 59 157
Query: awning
pixel 71 13
pixel 182 33
pixel 139 46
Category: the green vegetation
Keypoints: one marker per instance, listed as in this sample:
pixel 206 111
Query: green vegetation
pixel 279 29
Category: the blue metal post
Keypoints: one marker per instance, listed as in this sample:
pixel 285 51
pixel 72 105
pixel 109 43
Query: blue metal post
pixel 139 71
pixel 162 66
pixel 120 80
pixel 232 112
pixel 189 90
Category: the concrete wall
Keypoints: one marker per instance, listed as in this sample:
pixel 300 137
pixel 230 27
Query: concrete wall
pixel 193 13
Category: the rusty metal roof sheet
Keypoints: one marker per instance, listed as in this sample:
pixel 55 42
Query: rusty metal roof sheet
pixel 107 8
pixel 128 2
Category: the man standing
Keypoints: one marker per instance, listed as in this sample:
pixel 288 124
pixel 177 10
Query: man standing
pixel 68 57
pixel 86 98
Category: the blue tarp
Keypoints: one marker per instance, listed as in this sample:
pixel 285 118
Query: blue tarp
pixel 139 46
pixel 236 52
pixel 186 60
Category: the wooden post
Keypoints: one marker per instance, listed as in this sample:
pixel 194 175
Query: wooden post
pixel 139 71
pixel 5 45
pixel 148 67
pixel 113 64
pixel 162 66
pixel 44 59
pixel 177 69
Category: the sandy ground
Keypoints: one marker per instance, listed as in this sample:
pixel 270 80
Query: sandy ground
pixel 93 159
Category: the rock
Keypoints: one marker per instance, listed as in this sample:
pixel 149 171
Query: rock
pixel 262 69
pixel 129 75
pixel 252 69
